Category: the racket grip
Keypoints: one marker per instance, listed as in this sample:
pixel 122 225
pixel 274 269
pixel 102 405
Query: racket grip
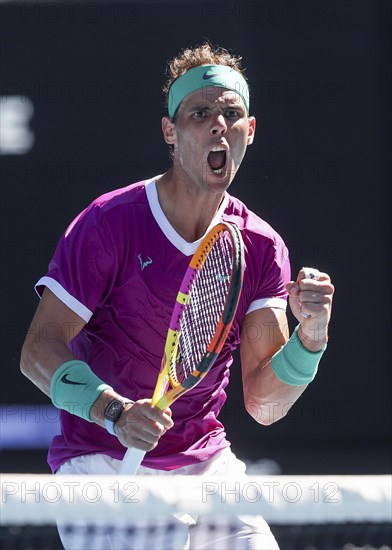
pixel 131 461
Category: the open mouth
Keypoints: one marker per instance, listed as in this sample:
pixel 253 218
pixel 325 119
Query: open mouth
pixel 217 159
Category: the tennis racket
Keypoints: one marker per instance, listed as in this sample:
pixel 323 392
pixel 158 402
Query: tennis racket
pixel 202 316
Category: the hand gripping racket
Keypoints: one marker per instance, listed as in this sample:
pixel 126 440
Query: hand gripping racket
pixel 202 316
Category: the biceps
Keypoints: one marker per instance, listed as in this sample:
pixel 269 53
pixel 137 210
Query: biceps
pixel 264 332
pixel 54 321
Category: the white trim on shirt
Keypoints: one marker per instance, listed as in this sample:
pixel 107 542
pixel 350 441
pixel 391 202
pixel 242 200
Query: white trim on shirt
pixel 188 249
pixel 279 303
pixel 65 297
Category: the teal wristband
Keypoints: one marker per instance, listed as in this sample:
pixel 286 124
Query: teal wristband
pixel 75 388
pixel 294 364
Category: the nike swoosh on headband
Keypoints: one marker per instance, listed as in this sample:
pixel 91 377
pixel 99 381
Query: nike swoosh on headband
pixel 207 76
pixel 66 380
pixel 202 76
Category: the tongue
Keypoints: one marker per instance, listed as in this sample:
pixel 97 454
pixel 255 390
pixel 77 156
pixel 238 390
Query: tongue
pixel 217 159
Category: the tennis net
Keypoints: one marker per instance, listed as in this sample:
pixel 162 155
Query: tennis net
pixel 304 512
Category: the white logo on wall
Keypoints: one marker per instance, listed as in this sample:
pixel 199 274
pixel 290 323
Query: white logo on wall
pixel 16 136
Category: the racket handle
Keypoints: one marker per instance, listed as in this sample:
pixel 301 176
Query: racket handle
pixel 131 461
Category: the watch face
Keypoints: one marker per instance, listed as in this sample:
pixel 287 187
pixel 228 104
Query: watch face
pixel 114 410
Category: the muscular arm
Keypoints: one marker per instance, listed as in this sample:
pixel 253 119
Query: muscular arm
pixel 267 398
pixel 53 327
pixel 265 331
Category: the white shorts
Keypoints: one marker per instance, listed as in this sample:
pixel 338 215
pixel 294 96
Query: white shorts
pixel 185 533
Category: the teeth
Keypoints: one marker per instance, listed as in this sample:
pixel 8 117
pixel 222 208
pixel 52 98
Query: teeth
pixel 218 149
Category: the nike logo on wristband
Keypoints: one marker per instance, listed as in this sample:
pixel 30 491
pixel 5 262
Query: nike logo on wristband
pixel 66 380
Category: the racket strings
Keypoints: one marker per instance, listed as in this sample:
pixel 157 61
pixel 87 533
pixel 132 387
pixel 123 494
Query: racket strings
pixel 207 298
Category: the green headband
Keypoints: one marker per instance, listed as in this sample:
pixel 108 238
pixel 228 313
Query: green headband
pixel 202 77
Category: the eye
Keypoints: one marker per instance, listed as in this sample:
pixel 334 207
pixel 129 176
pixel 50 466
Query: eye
pixel 232 113
pixel 199 114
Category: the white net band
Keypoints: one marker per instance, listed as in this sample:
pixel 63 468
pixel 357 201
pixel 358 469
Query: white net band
pixel 40 499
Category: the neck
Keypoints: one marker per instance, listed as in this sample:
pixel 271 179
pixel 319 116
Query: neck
pixel 189 210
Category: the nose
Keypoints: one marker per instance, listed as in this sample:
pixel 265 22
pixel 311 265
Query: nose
pixel 218 125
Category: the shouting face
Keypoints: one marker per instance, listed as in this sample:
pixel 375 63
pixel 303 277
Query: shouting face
pixel 210 135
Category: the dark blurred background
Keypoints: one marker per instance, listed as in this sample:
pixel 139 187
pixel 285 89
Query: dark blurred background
pixel 80 115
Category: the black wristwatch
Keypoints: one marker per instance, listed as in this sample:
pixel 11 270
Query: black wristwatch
pixel 112 413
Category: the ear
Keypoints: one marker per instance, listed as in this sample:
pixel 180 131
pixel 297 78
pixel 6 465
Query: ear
pixel 169 131
pixel 252 129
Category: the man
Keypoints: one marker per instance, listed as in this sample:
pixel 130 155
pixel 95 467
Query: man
pixel 112 284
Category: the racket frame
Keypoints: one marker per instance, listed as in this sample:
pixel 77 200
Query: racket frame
pixel 164 397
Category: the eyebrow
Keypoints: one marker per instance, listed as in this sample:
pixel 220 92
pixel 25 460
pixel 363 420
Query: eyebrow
pixel 211 106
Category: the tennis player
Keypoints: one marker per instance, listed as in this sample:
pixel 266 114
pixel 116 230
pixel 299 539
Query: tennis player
pixel 111 287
